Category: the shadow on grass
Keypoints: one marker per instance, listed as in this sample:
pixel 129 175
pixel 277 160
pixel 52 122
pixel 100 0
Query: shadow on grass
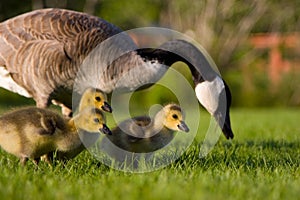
pixel 248 156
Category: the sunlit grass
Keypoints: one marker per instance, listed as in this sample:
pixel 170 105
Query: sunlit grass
pixel 262 162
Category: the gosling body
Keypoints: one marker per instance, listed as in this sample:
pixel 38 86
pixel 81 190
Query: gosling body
pixel 29 133
pixel 91 98
pixel 143 134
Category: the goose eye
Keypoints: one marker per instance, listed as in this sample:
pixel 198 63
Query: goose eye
pixel 175 116
pixel 98 98
pixel 96 120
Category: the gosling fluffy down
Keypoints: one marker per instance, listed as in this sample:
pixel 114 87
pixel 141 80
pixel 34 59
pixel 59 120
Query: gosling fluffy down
pixel 90 98
pixel 94 98
pixel 29 133
pixel 143 134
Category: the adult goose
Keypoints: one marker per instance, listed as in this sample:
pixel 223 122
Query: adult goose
pixel 42 51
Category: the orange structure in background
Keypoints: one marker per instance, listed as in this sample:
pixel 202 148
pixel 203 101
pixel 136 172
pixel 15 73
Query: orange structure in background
pixel 274 43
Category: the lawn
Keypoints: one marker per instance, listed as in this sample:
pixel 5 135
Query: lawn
pixel 262 162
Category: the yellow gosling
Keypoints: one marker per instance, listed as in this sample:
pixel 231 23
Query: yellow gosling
pixel 29 133
pixel 143 134
pixel 91 98
pixel 95 98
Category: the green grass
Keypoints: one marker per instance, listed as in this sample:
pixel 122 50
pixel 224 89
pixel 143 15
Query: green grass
pixel 262 162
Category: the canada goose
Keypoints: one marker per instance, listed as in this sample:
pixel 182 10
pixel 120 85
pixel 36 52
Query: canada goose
pixel 42 51
pixel 29 133
pixel 143 134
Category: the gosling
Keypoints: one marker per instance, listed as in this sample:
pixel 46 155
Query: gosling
pixel 95 98
pixel 143 134
pixel 29 133
pixel 91 98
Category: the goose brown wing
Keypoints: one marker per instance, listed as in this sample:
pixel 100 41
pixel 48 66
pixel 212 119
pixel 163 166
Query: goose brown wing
pixel 42 50
pixel 68 28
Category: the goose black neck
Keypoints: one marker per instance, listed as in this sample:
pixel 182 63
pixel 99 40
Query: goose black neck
pixel 168 58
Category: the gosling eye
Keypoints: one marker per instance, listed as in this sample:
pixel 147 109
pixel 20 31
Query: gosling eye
pixel 98 98
pixel 175 116
pixel 96 120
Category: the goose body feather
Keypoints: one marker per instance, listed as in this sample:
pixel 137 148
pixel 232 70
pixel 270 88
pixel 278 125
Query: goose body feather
pixel 42 50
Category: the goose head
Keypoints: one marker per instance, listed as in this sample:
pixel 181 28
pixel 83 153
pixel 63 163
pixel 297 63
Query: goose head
pixel 91 120
pixel 95 98
pixel 174 118
pixel 215 97
pixel 211 90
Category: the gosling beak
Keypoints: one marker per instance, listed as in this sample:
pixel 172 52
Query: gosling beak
pixel 106 107
pixel 183 127
pixel 105 130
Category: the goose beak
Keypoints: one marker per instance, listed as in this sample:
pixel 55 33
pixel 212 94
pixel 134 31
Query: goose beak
pixel 225 124
pixel 105 130
pixel 106 107
pixel 183 127
pixel 224 118
pixel 227 131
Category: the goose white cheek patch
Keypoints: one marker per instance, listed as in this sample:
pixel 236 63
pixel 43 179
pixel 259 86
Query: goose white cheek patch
pixel 208 93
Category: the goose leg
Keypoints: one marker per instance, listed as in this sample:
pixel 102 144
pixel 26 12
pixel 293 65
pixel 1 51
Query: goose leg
pixel 48 158
pixel 23 160
pixel 36 161
pixel 67 112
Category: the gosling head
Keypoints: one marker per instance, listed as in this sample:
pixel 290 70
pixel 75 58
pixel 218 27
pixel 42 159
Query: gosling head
pixel 174 118
pixel 92 120
pixel 96 98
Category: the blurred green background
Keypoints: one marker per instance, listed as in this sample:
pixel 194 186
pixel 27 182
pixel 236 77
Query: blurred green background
pixel 255 44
